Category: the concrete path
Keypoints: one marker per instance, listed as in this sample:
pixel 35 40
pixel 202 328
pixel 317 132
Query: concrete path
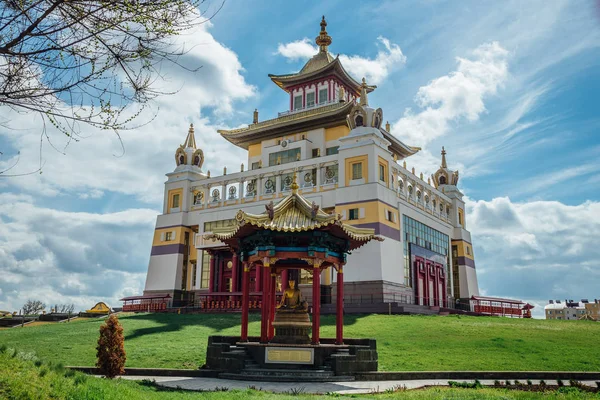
pixel 357 387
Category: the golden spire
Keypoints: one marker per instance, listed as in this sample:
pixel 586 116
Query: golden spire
pixel 387 126
pixel 444 158
pixel 323 40
pixel 294 185
pixel 255 117
pixel 364 101
pixel 190 140
pixel 341 95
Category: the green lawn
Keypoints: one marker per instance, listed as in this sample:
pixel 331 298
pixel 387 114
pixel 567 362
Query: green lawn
pixel 23 376
pixel 405 343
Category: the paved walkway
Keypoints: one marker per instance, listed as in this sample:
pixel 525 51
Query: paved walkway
pixel 357 387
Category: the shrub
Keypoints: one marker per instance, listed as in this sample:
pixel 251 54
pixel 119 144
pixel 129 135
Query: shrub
pixel 80 379
pixel 69 373
pixel 529 383
pixel 42 372
pixel 542 383
pixel 3 348
pixel 560 383
pixel 465 385
pixel 38 363
pixel 497 383
pixel 110 349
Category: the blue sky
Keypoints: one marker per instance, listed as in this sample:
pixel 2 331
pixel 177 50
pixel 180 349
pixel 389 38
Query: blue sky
pixel 509 88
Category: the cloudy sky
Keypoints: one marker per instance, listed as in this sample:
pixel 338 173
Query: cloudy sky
pixel 509 88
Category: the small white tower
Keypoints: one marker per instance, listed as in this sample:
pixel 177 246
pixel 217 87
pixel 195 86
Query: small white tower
pixel 463 258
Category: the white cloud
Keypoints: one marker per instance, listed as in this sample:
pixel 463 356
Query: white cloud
pixel 375 70
pixel 536 250
pixel 70 257
pixel 458 95
pixel 298 50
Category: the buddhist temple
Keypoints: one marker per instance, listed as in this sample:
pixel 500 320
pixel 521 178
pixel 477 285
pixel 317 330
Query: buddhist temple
pixel 325 173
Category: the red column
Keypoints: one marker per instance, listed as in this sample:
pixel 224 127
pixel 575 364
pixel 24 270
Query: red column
pixel 272 300
pixel 339 319
pixel 211 273
pixel 284 280
pixel 245 297
pixel 264 318
pixel 316 300
pixel 258 278
pixel 436 283
pixel 234 273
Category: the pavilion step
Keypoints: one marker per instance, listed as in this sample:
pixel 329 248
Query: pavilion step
pixel 291 377
pixel 284 372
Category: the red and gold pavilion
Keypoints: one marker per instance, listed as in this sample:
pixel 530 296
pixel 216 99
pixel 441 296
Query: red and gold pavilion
pixel 289 236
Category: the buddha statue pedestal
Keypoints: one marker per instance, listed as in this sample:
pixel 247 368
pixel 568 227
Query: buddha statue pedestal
pixel 291 327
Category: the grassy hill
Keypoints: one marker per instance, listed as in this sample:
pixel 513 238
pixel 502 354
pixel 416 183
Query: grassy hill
pixel 23 376
pixel 405 343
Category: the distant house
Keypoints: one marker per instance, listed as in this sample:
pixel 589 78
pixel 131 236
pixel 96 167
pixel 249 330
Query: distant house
pixel 572 310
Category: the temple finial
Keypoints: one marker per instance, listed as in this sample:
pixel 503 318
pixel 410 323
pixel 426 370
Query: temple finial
pixel 444 165
pixel 294 185
pixel 190 140
pixel 323 40
pixel 364 101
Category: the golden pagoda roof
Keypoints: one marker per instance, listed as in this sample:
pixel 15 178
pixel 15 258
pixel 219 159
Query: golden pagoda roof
pixel 296 121
pixel 320 65
pixel 293 214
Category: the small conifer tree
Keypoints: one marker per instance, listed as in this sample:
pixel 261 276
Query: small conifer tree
pixel 110 349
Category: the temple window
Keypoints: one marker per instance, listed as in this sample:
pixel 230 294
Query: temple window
pixel 297 102
pixel 357 171
pixel 205 271
pixel 382 172
pixel 332 150
pixel 256 165
pixel 353 213
pixel 310 99
pixel 175 201
pixel 283 157
pixel 358 121
pixel 322 95
pixel 442 180
pixel 194 273
pixel 390 216
pixel 168 236
pixel 315 153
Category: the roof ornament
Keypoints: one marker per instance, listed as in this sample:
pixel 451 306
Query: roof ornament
pixel 364 101
pixel 270 209
pixel 341 95
pixel 323 40
pixel 314 209
pixel 444 165
pixel 190 140
pixel 294 185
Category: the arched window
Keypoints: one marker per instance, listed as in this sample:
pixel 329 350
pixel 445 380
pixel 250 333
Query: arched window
pixel 358 120
pixel 442 180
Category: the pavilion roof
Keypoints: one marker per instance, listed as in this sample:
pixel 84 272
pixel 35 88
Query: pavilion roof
pixel 321 65
pixel 293 213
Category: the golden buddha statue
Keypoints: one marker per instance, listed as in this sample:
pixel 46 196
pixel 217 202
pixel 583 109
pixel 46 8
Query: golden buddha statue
pixel 292 299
